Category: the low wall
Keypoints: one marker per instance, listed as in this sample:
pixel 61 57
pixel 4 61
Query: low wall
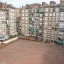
pixel 11 40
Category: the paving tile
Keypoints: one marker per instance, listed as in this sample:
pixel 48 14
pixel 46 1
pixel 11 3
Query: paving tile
pixel 31 52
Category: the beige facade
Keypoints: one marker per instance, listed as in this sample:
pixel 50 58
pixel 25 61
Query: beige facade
pixel 51 23
pixel 2 23
pixel 17 12
pixel 25 22
pixel 12 22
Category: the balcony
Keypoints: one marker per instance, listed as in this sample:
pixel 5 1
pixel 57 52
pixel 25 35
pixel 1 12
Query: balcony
pixel 31 29
pixel 41 10
pixel 62 9
pixel 8 25
pixel 61 29
pixel 61 20
pixel 30 18
pixel 7 9
pixel 37 30
pixel 37 10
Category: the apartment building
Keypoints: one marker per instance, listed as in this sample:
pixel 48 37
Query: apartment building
pixel 51 22
pixel 25 21
pixel 11 21
pixel 44 20
pixel 61 24
pixel 36 22
pixel 2 22
pixel 7 19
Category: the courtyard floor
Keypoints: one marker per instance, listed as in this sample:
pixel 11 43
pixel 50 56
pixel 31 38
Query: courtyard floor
pixel 31 52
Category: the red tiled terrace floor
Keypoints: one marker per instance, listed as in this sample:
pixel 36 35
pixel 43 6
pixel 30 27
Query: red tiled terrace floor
pixel 30 52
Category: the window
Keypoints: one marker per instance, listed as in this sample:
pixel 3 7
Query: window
pixel 57 14
pixel 26 22
pixel 26 18
pixel 11 13
pixel 50 18
pixel 22 24
pixel 57 10
pixel 22 17
pixel 49 27
pixel 0 30
pixel 40 23
pixel 53 14
pixel 32 19
pixel 22 14
pixel 2 13
pixel 13 10
pixel 40 15
pixel 26 14
pixel 26 25
pixel 46 18
pixel 22 10
pixel 61 29
pixel 46 23
pixel 23 28
pixel 0 17
pixel 46 9
pixel 50 14
pixel 26 10
pixel 26 29
pixel 46 14
pixel 22 21
pixel 51 9
pixel 40 19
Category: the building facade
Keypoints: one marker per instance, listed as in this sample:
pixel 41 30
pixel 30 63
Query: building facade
pixel 2 22
pixel 45 21
pixel 25 21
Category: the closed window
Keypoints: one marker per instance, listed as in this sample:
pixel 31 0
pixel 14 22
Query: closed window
pixel 53 14
pixel 46 14
pixel 23 28
pixel 51 9
pixel 26 18
pixel 50 14
pixel 57 9
pixel 46 9
pixel 22 10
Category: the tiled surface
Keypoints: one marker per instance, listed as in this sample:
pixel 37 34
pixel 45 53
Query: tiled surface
pixel 30 52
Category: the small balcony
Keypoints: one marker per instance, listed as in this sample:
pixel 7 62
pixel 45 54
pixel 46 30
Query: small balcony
pixel 8 25
pixel 31 29
pixel 7 9
pixel 37 10
pixel 62 9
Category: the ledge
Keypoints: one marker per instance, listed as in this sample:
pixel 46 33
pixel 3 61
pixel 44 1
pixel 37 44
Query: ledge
pixel 10 40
